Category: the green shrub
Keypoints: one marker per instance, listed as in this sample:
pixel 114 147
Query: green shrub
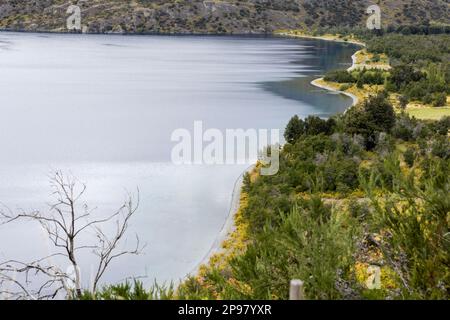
pixel 340 76
pixel 377 116
pixel 409 156
pixel 440 99
pixel 417 243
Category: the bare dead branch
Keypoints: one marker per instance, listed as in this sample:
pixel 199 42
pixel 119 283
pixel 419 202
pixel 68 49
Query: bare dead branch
pixel 66 221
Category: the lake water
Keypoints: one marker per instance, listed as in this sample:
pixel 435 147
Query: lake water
pixel 103 109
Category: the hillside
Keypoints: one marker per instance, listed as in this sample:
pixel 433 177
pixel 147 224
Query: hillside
pixel 360 207
pixel 194 16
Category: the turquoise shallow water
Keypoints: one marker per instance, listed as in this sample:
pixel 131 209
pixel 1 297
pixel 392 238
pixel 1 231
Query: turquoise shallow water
pixel 104 107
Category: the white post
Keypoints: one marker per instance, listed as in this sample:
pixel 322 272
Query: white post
pixel 296 291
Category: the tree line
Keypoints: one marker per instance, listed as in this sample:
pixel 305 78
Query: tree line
pixel 421 68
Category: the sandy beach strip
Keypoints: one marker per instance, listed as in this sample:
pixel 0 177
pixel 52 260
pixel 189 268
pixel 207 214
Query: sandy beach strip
pixel 229 225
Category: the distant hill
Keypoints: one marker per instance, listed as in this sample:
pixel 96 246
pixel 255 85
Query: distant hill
pixel 235 16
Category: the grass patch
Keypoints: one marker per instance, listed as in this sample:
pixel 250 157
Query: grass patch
pixel 428 113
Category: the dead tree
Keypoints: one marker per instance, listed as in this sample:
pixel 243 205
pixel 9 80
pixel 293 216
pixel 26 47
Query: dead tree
pixel 65 223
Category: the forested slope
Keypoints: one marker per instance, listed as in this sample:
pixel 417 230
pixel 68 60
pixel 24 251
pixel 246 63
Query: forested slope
pixel 234 16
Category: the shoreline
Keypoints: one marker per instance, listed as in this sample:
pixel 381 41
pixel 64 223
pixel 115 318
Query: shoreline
pixel 325 38
pixel 321 86
pixel 352 67
pixel 174 34
pixel 229 225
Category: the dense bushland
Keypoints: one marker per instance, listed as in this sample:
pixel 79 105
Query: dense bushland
pixel 340 205
pixel 364 189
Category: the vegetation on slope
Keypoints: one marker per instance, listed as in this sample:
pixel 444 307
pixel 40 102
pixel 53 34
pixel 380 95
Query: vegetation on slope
pixel 368 189
pixel 342 202
pixel 359 196
pixel 213 16
pixel 419 80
